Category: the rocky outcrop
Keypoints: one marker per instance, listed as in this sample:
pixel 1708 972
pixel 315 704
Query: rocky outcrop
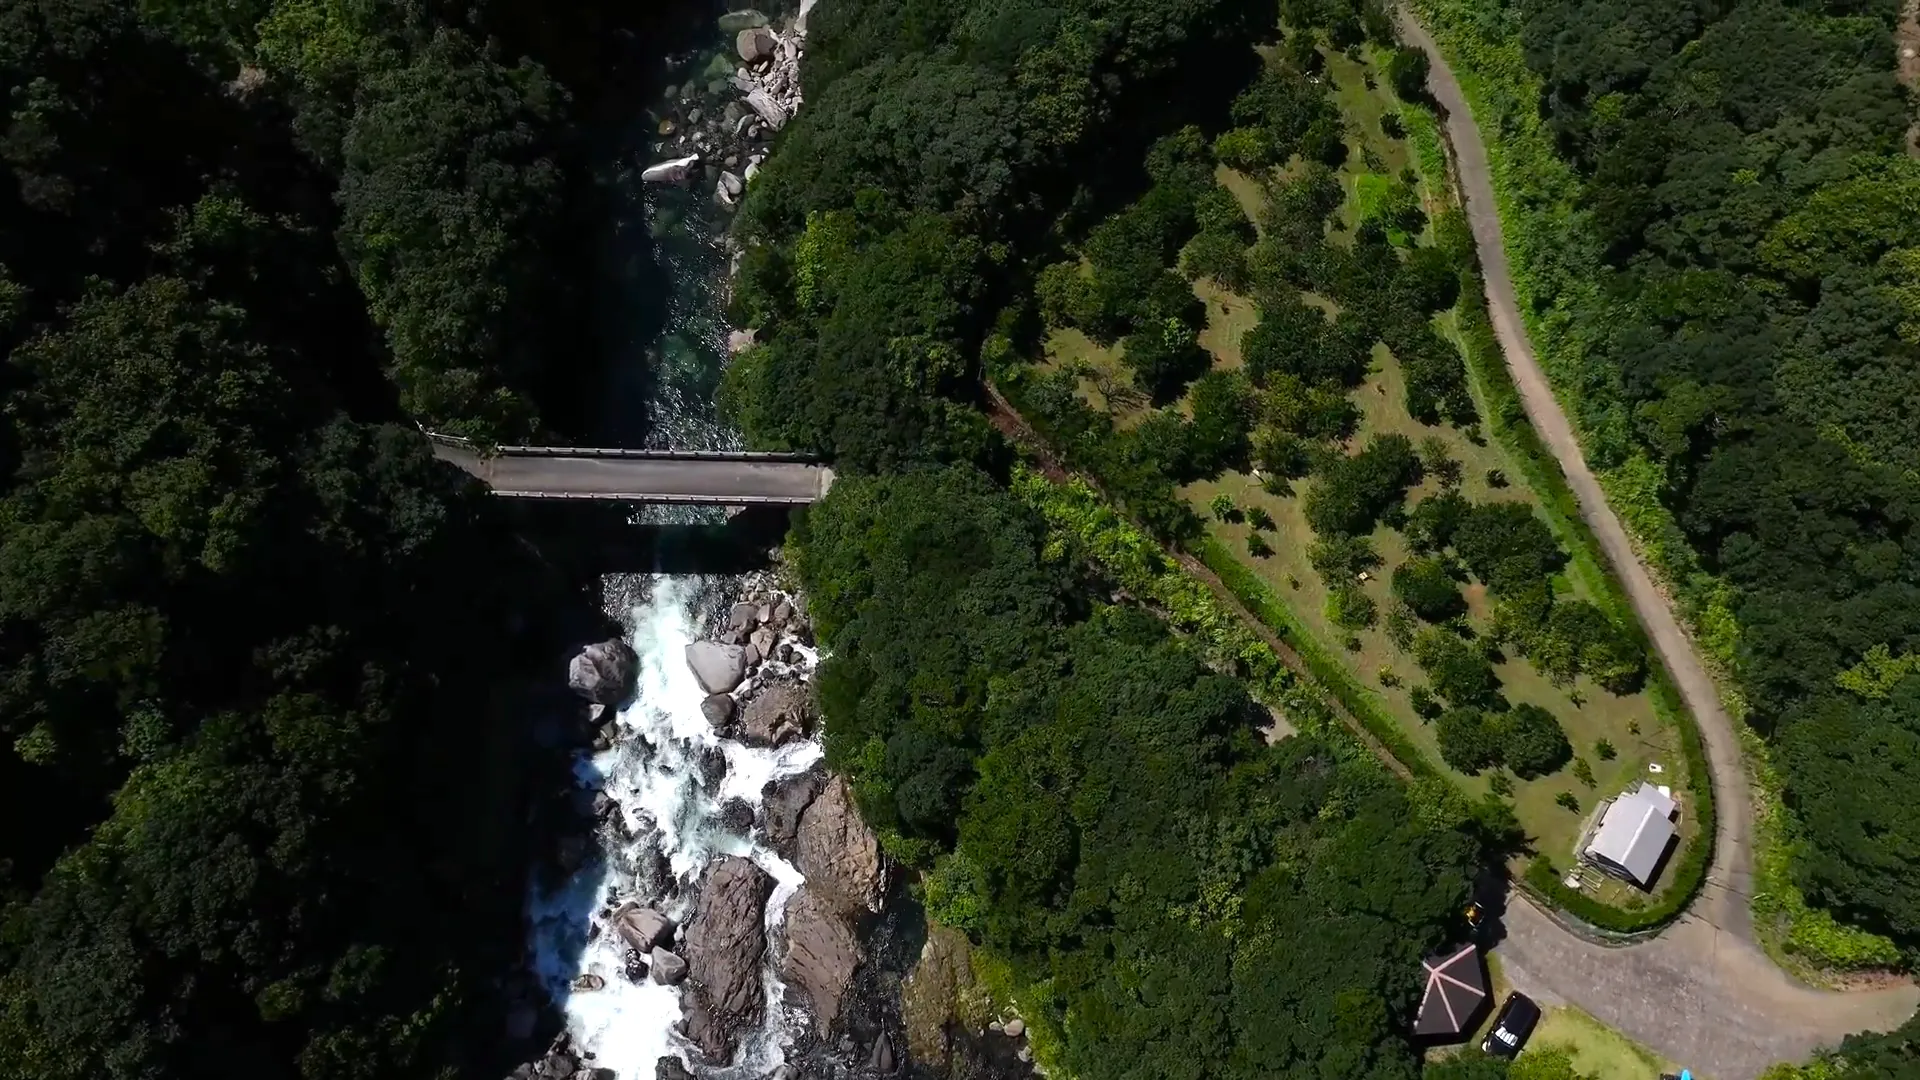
pixel 671 1068
pixel 719 668
pixel 838 853
pixel 775 715
pixel 781 804
pixel 820 955
pixel 725 943
pixel 604 672
pixel 938 994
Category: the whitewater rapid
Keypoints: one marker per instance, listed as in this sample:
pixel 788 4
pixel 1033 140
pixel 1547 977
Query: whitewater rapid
pixel 653 774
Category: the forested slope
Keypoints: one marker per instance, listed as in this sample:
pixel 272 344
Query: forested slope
pixel 259 813
pixel 1085 796
pixel 1714 228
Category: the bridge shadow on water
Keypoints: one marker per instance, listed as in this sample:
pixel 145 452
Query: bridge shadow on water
pixel 597 540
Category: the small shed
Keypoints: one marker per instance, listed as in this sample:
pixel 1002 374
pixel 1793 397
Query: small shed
pixel 1633 834
pixel 1455 997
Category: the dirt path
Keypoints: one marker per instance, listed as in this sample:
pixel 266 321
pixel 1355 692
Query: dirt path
pixel 1713 949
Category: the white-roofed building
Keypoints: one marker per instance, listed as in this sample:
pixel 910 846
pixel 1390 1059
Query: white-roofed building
pixel 1633 833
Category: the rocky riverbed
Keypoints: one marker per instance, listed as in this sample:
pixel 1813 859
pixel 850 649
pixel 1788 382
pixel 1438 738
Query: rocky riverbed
pixel 716 128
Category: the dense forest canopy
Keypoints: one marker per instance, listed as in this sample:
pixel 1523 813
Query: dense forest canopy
pixel 1738 289
pixel 1085 795
pixel 263 815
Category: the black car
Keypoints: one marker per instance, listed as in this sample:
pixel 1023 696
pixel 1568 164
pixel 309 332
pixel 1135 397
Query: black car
pixel 1513 1027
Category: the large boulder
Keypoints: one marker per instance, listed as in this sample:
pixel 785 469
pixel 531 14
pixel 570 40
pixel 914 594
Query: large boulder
pixel 668 968
pixel 726 940
pixel 781 804
pixel 718 709
pixel 756 43
pixel 821 954
pixel 604 672
pixel 735 21
pixel 718 668
pixel 643 928
pixel 774 113
pixel 838 853
pixel 777 714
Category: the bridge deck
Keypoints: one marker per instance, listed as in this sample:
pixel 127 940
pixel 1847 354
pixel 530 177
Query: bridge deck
pixel 707 480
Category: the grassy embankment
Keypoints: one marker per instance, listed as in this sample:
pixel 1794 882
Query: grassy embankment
pixel 1537 196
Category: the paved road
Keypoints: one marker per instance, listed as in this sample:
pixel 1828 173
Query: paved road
pixel 658 480
pixel 1741 1011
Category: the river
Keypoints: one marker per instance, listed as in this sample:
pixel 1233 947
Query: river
pixel 665 277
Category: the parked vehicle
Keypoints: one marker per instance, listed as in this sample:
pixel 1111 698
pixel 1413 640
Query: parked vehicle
pixel 1512 1027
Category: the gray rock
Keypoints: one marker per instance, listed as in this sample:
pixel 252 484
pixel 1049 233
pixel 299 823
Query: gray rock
pixel 726 939
pixel 756 43
pixel 740 341
pixel 736 816
pixel 643 928
pixel 782 802
pixel 604 672
pixel 763 640
pixel 881 1060
pixel 782 611
pixel 671 172
pixel 732 184
pixel 821 955
pixel 741 616
pixel 589 982
pixel 1015 1028
pixel 671 1068
pixel 771 111
pixel 668 968
pixel 718 668
pixel 735 21
pixel 753 656
pixel 777 714
pixel 712 763
pixel 838 853
pixel 719 710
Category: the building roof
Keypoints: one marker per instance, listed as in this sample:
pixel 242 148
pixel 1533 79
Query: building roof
pixel 1634 831
pixel 1456 988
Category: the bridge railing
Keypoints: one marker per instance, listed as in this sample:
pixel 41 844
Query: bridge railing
pixel 616 452
pixel 658 455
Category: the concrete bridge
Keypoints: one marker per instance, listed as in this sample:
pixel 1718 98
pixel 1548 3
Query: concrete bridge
pixel 700 477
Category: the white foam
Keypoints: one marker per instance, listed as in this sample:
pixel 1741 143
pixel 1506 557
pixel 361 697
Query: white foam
pixel 628 1027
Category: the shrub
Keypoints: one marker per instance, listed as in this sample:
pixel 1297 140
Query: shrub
pixel 1460 672
pixel 1582 771
pixel 1340 559
pixel 1352 492
pixel 1535 744
pixel 1401 626
pixel 1425 705
pixel 1604 750
pixel 1350 608
pixel 1496 478
pixel 1500 783
pixel 1222 507
pixel 1407 71
pixel 1424 585
pixel 1567 800
pixel 1245 148
pixel 1469 739
pixel 1259 518
pixel 1257 546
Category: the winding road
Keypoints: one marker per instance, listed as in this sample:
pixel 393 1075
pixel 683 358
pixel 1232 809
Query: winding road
pixel 1703 992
